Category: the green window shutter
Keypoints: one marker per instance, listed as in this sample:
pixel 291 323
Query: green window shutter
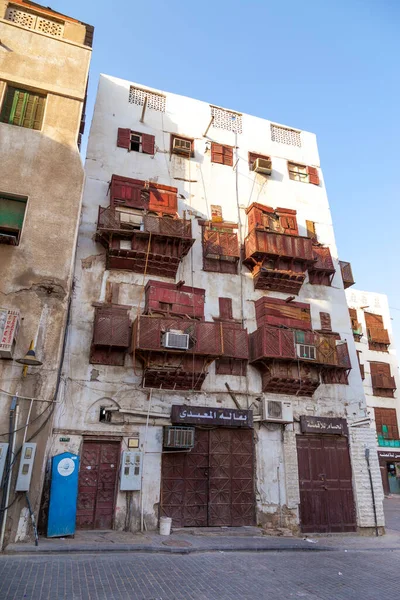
pixel 23 108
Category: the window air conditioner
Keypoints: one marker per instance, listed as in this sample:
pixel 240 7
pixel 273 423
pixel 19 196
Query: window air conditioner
pixel 262 165
pixel 9 328
pixel 131 220
pixel 178 437
pixel 277 411
pixel 306 351
pixel 179 341
pixel 181 146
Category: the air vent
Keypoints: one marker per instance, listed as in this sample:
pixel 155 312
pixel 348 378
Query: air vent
pixel 277 411
pixel 262 165
pixel 182 146
pixel 179 341
pixel 178 437
pixel 306 352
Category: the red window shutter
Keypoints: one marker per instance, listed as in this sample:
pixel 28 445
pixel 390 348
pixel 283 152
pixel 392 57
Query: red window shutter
pixel 165 202
pixel 325 321
pixel 128 192
pixel 217 153
pixel 228 156
pixel 124 138
pixel 111 328
pixel 313 175
pixel 378 368
pixel 148 143
pixel 372 320
pixel 225 308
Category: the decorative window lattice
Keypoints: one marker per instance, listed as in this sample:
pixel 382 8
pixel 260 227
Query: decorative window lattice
pixel 31 21
pixel 154 101
pixel 285 136
pixel 225 119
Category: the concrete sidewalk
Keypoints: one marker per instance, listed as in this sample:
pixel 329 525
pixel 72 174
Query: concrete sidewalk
pixel 217 539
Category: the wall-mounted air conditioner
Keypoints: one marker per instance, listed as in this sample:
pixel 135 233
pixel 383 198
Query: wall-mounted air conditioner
pixel 130 220
pixel 262 165
pixel 181 146
pixel 178 341
pixel 277 411
pixel 305 351
pixel 9 328
pixel 178 437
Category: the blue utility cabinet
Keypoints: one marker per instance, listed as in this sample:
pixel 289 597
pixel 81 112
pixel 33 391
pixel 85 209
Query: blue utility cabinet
pixel 63 495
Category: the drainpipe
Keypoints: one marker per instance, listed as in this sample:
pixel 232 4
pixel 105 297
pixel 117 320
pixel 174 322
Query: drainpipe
pixel 143 462
pixel 372 490
pixel 8 469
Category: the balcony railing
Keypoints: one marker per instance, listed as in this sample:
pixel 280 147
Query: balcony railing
pixel 122 223
pixel 385 382
pixel 378 335
pixel 278 244
pixel 220 244
pixel 347 274
pixel 270 342
pixel 205 337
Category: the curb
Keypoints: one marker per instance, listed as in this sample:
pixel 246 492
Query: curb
pixel 158 550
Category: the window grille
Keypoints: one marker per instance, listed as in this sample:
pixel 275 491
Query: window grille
pixel 226 119
pixel 285 136
pixel 31 21
pixel 154 101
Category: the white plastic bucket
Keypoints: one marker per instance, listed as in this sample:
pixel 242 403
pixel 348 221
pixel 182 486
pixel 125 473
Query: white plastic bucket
pixel 165 525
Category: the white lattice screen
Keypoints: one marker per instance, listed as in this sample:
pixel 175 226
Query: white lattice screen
pixel 285 136
pixel 154 101
pixel 225 119
pixel 31 21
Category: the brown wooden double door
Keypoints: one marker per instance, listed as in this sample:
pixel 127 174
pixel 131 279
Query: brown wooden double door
pixel 212 485
pixel 326 492
pixel 97 485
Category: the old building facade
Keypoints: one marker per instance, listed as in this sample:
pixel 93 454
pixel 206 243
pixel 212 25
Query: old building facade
pixel 44 65
pixel 210 360
pixel 373 336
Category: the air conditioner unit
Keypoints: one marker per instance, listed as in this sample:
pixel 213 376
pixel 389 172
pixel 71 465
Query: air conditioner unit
pixel 277 411
pixel 306 351
pixel 128 219
pixel 181 146
pixel 262 165
pixel 9 328
pixel 178 437
pixel 179 341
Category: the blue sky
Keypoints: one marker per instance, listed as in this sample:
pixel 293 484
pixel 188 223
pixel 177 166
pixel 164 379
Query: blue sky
pixel 327 66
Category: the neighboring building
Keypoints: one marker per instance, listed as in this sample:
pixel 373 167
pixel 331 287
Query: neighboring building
pixel 44 65
pixel 177 337
pixel 372 330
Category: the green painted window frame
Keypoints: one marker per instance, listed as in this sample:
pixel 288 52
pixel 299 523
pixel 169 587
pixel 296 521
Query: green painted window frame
pixel 23 108
pixel 12 217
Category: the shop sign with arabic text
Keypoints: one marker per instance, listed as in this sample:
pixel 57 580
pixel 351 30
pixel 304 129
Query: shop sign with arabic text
pixel 334 426
pixel 201 415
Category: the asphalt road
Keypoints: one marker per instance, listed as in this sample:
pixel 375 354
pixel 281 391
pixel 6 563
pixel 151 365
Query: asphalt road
pixel 329 575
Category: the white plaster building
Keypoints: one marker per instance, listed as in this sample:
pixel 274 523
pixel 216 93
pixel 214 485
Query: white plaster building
pixel 117 399
pixel 371 322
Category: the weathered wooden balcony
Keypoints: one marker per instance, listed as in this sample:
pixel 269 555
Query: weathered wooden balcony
pixel 143 243
pixel 347 274
pixel 323 269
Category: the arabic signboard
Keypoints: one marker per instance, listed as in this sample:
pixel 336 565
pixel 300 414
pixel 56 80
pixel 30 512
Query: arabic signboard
pixel 323 425
pixel 9 325
pixel 389 454
pixel 204 415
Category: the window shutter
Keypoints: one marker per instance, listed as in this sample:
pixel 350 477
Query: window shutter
pixel 313 175
pixel 111 328
pixel 148 143
pixel 372 320
pixel 161 201
pixel 288 221
pixel 325 321
pixel 217 153
pixel 310 226
pixel 124 138
pixel 225 308
pixel 379 368
pixel 228 156
pixel 128 192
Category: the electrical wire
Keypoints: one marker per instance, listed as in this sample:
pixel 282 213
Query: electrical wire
pixel 27 424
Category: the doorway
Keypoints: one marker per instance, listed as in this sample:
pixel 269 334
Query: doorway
pixel 212 485
pixel 97 485
pixel 325 479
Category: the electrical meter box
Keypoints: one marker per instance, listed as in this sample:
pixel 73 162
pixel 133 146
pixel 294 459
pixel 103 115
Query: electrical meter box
pixel 25 467
pixel 131 471
pixel 3 456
